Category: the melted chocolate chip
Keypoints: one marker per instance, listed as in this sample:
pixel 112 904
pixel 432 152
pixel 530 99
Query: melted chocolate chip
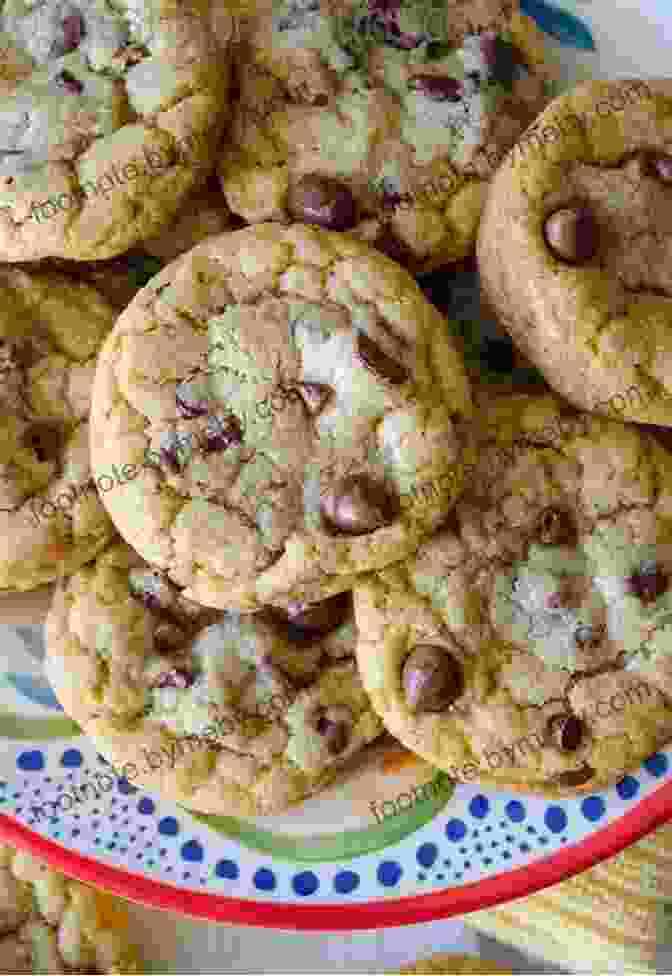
pixel 359 504
pixel 315 396
pixel 389 244
pixel 73 32
pixel 648 583
pixel 191 398
pixel 572 234
pixel 45 439
pixel 175 678
pixel 587 636
pixel 334 724
pixel 168 636
pixel 379 362
pixel 504 60
pixel 311 621
pixel 222 432
pixel 662 167
pixel 67 81
pixel 575 777
pixel 322 201
pixel 439 89
pixel 566 732
pixel 431 679
pixel 152 589
pixel 555 527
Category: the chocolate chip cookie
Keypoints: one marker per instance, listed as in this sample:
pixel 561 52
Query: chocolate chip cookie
pixel 51 924
pixel 109 117
pixel 51 519
pixel 224 713
pixel 528 643
pixel 384 117
pixel 281 389
pixel 574 249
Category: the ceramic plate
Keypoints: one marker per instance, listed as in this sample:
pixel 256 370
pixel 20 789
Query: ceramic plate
pixel 394 843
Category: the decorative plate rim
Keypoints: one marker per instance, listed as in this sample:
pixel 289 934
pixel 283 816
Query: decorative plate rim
pixel 650 813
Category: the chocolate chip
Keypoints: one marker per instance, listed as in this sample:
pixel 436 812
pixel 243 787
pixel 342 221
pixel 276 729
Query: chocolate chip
pixel 566 732
pixel 192 398
pixel 153 589
pixel 555 527
pixel 45 439
pixel 175 678
pixel 587 636
pixel 334 724
pixel 662 167
pixel 310 621
pixel 439 89
pixel 67 81
pixel 168 636
pixel 388 243
pixel 315 396
pixel 575 777
pixel 322 201
pixel 359 504
pixel 572 234
pixel 222 432
pixel 431 678
pixel 379 362
pixel 73 32
pixel 648 583
pixel 176 450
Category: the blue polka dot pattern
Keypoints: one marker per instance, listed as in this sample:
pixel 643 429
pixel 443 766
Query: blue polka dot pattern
pixel 515 811
pixel 227 869
pixel 168 826
pixel 389 873
pixel 657 765
pixel 593 808
pixel 264 880
pixel 305 883
pixel 427 854
pixel 144 833
pixel 345 882
pixel 455 830
pixel 72 758
pixel 627 788
pixel 555 819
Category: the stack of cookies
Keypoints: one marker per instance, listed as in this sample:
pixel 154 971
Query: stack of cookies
pixel 282 517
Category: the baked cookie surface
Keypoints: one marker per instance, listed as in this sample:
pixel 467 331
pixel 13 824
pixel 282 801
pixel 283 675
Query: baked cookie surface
pixel 450 963
pixel 110 116
pixel 528 643
pixel 51 924
pixel 574 247
pixel 387 119
pixel 51 519
pixel 280 388
pixel 224 713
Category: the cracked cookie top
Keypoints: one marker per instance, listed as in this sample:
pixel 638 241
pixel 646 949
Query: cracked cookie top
pixel 223 712
pixel 531 637
pixel 108 110
pixel 575 245
pixel 51 924
pixel 282 390
pixel 385 118
pixel 51 520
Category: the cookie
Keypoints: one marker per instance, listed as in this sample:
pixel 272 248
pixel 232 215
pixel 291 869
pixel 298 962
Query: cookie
pixel 535 627
pixel 574 248
pixel 224 713
pixel 51 519
pixel 110 117
pixel 51 924
pixel 277 389
pixel 384 118
pixel 203 214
